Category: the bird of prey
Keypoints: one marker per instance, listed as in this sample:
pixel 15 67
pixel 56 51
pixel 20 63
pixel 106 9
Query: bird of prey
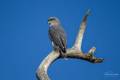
pixel 57 35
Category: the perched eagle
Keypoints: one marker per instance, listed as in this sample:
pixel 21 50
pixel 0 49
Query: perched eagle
pixel 57 35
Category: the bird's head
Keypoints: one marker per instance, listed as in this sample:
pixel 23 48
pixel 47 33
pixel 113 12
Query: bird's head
pixel 53 21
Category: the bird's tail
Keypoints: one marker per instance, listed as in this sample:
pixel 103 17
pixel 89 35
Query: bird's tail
pixel 62 52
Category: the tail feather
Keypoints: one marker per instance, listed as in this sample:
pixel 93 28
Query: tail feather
pixel 63 51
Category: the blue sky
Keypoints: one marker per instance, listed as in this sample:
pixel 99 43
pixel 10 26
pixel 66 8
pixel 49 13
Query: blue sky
pixel 24 38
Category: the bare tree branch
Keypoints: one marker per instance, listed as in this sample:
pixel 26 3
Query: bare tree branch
pixel 74 52
pixel 71 53
pixel 43 67
pixel 79 38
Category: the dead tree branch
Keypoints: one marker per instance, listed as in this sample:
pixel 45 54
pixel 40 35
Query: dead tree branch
pixel 74 52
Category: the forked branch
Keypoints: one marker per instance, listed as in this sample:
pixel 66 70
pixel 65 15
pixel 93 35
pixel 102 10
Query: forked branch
pixel 74 52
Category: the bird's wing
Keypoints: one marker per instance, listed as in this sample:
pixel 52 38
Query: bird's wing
pixel 58 38
pixel 63 37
